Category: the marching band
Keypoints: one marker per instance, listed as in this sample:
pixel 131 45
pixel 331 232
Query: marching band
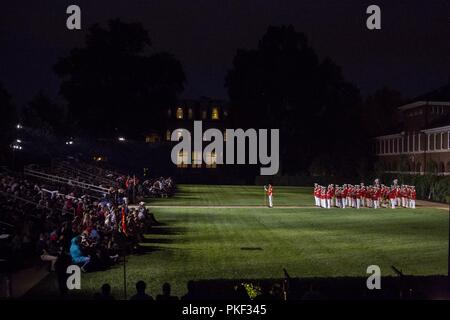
pixel 358 196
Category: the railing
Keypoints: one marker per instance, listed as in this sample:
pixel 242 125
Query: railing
pixel 53 178
pixel 86 174
pixel 9 195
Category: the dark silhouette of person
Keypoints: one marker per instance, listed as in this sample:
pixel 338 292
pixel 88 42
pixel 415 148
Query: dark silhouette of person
pixel 61 265
pixel 190 295
pixel 105 293
pixel 165 296
pixel 140 292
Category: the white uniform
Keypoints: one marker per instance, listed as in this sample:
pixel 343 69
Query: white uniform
pixel 269 195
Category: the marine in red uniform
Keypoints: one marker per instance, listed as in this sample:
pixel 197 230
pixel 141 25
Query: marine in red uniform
pixel 269 191
pixel 413 198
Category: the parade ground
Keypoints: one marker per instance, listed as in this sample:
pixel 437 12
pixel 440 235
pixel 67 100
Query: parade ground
pixel 226 232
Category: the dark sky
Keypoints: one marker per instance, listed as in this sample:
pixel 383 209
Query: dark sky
pixel 411 53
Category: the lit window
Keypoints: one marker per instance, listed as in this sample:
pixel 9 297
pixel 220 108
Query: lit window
pixel 215 113
pixel 196 156
pixel 211 160
pixel 152 138
pixel 178 134
pixel 182 159
pixel 179 113
pixel 190 113
pixel 168 135
pixel 225 135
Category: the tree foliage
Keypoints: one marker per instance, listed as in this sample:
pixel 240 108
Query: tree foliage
pixel 380 114
pixel 113 84
pixel 44 115
pixel 283 84
pixel 8 120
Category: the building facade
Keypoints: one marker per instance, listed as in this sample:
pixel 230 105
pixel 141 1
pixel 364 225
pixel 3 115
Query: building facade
pixel 212 113
pixel 423 145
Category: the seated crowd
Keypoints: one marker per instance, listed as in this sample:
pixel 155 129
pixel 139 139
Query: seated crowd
pixel 54 220
pixel 162 187
pixel 371 196
pixel 119 185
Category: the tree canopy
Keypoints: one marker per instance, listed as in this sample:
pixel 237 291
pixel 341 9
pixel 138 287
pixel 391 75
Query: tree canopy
pixel 283 84
pixel 8 120
pixel 113 84
pixel 42 114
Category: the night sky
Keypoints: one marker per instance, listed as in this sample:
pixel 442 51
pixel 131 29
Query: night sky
pixel 411 53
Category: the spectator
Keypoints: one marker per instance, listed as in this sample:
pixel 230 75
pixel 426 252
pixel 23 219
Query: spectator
pixel 190 295
pixel 140 292
pixel 61 266
pixel 77 256
pixel 165 296
pixel 42 249
pixel 104 294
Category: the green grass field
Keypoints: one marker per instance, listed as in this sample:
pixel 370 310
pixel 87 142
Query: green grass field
pixel 199 241
pixel 206 195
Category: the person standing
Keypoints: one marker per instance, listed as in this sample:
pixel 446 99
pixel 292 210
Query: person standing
pixel 328 197
pixel 377 198
pixel 344 195
pixel 338 196
pixel 413 196
pixel 317 194
pixel 393 196
pixel 358 197
pixel 269 191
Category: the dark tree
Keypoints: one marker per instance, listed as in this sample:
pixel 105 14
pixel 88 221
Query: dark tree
pixel 380 114
pixel 283 84
pixel 44 115
pixel 8 121
pixel 114 84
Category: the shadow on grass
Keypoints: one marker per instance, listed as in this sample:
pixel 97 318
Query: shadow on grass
pixel 149 240
pixel 163 229
pixel 146 249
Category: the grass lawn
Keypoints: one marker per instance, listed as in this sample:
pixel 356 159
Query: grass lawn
pixel 226 195
pixel 258 242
